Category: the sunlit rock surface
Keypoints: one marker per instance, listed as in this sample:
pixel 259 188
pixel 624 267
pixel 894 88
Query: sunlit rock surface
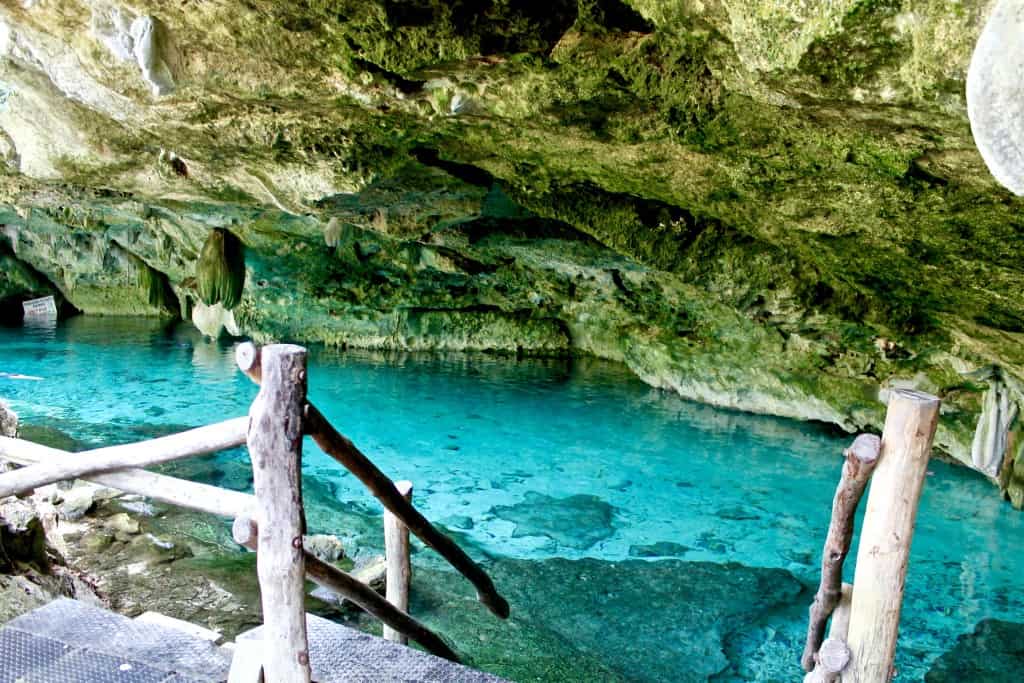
pixel 772 206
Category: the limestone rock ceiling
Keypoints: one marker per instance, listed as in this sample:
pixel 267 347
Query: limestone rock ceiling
pixel 770 205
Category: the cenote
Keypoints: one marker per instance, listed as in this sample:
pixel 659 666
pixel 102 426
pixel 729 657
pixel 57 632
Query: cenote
pixel 637 536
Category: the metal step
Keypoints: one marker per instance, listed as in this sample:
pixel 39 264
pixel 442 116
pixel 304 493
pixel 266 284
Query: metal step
pixel 339 654
pixel 68 641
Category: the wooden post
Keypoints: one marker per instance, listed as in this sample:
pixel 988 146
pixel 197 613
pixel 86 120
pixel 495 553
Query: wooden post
pixel 860 462
pixel 383 489
pixel 399 571
pixel 886 533
pixel 275 447
pixel 245 532
pixel 246 662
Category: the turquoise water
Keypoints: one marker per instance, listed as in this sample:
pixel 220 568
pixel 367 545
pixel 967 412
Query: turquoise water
pixel 540 460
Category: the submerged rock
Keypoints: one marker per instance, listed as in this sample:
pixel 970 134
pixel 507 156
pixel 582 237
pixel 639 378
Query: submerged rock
pixel 992 653
pixel 326 547
pixel 577 522
pixel 593 620
pixel 659 549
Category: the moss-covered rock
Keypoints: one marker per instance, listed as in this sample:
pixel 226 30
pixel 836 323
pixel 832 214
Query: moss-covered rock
pixel 773 206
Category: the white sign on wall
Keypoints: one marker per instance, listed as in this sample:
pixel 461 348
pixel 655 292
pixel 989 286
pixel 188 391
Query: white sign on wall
pixel 44 308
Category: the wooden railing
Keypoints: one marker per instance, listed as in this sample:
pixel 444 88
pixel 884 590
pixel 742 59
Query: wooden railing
pixel 861 646
pixel 271 522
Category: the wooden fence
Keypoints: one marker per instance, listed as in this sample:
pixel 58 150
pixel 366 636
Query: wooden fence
pixel 861 645
pixel 272 521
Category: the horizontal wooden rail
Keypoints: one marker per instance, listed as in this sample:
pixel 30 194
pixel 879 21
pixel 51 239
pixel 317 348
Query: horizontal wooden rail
pixel 383 489
pixel 246 533
pixel 160 487
pixel 199 441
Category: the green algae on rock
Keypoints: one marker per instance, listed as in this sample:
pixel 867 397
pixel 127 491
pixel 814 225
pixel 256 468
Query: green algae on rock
pixel 772 206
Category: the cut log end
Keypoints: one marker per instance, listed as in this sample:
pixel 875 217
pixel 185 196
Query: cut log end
pixel 834 655
pixel 245 532
pixel 495 603
pixel 866 448
pixel 247 356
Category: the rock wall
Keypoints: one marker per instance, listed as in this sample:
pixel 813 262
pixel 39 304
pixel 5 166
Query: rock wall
pixel 772 206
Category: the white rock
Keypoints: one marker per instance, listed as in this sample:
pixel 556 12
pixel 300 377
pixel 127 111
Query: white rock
pixel 77 502
pixel 992 436
pixel 213 320
pixel 325 547
pixel 133 38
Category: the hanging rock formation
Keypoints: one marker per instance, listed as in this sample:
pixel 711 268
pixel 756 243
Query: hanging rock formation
pixel 773 206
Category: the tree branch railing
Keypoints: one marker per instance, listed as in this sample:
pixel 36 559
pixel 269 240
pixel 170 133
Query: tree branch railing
pixel 865 617
pixel 271 522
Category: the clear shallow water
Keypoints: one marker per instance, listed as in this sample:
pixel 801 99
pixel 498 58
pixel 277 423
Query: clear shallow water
pixel 550 459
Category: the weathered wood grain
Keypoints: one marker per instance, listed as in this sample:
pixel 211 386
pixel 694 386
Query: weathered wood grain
pixel 208 439
pixel 275 447
pixel 396 552
pixel 888 528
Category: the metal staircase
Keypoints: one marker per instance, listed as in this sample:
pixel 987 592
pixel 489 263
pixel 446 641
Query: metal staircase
pixel 68 641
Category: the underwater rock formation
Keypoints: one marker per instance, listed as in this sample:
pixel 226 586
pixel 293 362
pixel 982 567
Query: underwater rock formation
pixel 772 206
pixel 992 653
pixel 683 613
pixel 578 522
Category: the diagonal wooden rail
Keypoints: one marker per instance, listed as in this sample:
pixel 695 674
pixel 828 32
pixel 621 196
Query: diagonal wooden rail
pixel 246 533
pixel 278 419
pixel 383 489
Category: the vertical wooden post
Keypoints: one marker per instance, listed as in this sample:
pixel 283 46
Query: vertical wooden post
pixel 886 533
pixel 275 447
pixel 399 564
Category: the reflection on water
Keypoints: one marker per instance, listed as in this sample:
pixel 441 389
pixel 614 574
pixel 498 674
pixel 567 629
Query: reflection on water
pixel 545 459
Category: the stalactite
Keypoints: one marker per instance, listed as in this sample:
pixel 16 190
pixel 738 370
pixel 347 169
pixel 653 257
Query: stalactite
pixel 220 273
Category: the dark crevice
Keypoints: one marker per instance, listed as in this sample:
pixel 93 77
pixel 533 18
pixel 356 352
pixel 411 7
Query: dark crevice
pixel 406 86
pixel 618 16
pixel 464 172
